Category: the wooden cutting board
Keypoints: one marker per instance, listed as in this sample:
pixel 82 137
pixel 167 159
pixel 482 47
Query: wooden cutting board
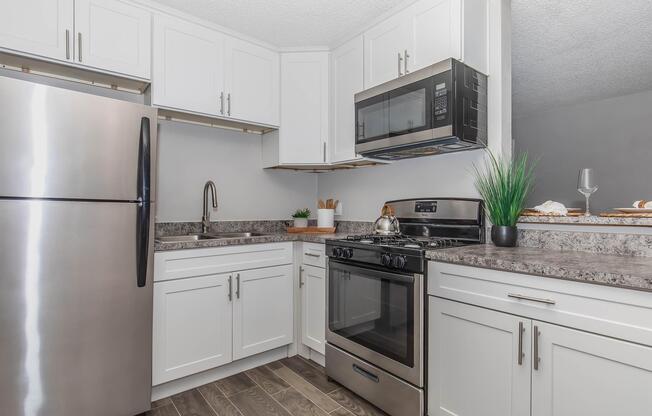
pixel 311 230
pixel 533 213
pixel 626 214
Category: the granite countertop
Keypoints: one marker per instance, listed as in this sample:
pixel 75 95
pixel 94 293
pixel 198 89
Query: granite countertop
pixel 614 270
pixel 591 220
pixel 269 238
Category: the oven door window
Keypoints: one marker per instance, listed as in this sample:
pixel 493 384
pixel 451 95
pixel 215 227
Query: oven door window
pixel 410 108
pixel 372 119
pixel 373 309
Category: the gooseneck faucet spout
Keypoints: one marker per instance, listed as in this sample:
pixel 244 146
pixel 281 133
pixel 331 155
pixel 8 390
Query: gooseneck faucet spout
pixel 206 217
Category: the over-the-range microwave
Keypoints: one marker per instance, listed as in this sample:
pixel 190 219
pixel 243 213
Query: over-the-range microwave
pixel 438 109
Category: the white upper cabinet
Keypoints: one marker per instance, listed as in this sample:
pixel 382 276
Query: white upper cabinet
pixel 114 36
pixel 107 35
pixel 188 68
pixel 384 47
pixel 303 133
pixel 38 27
pixel 252 82
pixel 427 32
pixel 199 70
pixel 347 78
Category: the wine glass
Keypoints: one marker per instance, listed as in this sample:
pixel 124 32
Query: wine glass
pixel 586 186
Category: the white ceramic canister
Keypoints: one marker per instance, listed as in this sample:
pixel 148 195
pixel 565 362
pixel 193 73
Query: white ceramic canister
pixel 325 218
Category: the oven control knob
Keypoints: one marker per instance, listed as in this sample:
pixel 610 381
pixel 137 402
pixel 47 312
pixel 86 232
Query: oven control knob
pixel 347 253
pixel 398 262
pixel 386 259
pixel 337 252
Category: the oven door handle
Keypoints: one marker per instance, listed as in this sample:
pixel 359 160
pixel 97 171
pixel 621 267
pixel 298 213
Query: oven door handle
pixel 379 274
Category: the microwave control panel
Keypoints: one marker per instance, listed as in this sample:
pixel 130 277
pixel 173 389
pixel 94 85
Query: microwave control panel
pixel 442 98
pixel 441 101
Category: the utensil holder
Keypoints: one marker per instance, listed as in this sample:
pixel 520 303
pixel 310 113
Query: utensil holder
pixel 325 217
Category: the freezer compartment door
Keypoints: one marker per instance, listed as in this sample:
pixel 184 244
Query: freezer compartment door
pixel 56 143
pixel 75 327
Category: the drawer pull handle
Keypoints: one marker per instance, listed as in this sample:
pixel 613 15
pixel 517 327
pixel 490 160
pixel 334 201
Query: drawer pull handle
pixel 312 255
pixel 365 373
pixel 530 298
pixel 521 330
pixel 536 357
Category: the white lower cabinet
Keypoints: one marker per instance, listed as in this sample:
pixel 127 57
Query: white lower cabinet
pixel 583 374
pixel 208 311
pixel 262 310
pixel 313 310
pixel 192 326
pixel 474 367
pixel 544 357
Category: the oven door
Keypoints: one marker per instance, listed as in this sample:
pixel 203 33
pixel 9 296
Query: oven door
pixel 377 316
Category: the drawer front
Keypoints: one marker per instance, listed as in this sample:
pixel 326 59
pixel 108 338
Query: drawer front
pixel 181 264
pixel 615 312
pixel 314 254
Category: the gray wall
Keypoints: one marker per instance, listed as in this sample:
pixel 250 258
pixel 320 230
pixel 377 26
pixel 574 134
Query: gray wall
pixel 189 155
pixel 363 191
pixel 612 136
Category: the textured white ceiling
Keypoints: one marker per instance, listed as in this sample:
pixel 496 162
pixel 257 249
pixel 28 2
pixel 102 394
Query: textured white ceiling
pixel 288 23
pixel 569 51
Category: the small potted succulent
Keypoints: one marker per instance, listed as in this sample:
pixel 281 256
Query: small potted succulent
pixel 504 185
pixel 300 217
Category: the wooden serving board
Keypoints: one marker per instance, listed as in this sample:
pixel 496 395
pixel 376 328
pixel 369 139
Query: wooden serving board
pixel 311 230
pixel 626 215
pixel 533 213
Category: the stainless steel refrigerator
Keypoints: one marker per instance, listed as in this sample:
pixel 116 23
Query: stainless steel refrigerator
pixel 76 232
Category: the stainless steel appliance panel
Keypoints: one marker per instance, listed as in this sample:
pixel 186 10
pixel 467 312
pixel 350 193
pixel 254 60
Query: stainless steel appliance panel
pixel 387 392
pixel 75 328
pixel 378 316
pixel 64 144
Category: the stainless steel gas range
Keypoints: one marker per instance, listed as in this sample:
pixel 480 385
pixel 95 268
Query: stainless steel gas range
pixel 376 301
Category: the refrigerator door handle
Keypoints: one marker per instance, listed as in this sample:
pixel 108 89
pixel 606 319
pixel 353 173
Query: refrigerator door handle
pixel 142 223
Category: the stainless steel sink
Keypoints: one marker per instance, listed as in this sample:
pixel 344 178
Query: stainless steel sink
pixel 210 236
pixel 186 238
pixel 236 235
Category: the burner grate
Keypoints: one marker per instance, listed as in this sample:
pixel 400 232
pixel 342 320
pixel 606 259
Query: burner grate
pixel 402 240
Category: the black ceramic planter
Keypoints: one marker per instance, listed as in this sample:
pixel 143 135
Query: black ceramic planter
pixel 504 235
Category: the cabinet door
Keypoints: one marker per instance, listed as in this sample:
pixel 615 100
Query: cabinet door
pixel 252 82
pixel 473 363
pixel 313 308
pixel 304 108
pixel 347 78
pixel 435 32
pixel 384 46
pixel 262 310
pixel 582 374
pixel 39 27
pixel 187 68
pixel 113 36
pixel 192 326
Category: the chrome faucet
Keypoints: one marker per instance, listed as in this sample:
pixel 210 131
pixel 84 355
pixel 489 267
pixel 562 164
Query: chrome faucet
pixel 206 217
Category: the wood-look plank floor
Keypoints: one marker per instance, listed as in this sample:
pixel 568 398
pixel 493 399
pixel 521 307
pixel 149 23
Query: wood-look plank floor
pixel 288 387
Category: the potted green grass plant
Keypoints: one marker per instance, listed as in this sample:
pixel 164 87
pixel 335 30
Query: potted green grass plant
pixel 300 217
pixel 504 184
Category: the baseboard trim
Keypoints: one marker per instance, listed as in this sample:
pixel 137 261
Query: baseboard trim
pixel 186 383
